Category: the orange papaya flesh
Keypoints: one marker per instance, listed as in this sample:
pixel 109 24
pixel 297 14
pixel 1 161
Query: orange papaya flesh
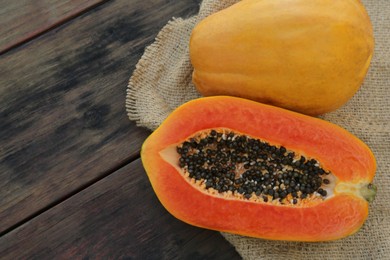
pixel 348 163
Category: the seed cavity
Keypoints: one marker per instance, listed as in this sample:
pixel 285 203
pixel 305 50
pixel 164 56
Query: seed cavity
pixel 221 161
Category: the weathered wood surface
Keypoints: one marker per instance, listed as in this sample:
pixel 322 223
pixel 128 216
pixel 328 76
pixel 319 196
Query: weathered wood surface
pixel 118 217
pixel 63 122
pixel 22 20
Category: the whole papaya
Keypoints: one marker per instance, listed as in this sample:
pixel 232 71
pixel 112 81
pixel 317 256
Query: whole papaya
pixel 310 56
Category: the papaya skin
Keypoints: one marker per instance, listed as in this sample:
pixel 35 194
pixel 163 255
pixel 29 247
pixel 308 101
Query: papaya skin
pixel 305 56
pixel 347 157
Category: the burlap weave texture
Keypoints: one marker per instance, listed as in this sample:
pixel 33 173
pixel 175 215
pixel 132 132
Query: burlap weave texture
pixel 162 82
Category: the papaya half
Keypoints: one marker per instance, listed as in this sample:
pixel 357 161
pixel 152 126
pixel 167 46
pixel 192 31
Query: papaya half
pixel 238 166
pixel 309 56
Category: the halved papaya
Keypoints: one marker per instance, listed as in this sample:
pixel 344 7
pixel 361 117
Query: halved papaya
pixel 238 166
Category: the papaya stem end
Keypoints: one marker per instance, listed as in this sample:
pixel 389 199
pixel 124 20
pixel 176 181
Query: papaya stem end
pixel 368 192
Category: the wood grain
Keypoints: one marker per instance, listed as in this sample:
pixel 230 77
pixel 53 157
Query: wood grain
pixel 24 19
pixel 63 121
pixel 117 218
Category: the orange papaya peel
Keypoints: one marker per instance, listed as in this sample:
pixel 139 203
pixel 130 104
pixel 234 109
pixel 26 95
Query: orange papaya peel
pixel 305 56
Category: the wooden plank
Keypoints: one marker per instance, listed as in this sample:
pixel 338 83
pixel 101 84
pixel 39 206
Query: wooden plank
pixel 24 19
pixel 117 218
pixel 63 120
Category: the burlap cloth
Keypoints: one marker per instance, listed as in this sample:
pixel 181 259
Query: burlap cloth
pixel 162 81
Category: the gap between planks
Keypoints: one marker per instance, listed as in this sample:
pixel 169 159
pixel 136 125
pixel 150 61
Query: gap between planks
pixel 71 194
pixel 55 25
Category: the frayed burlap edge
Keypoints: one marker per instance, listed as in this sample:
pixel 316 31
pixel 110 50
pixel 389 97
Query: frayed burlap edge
pixel 135 102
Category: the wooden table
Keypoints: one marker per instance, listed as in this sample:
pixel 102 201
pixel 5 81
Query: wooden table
pixel 71 182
